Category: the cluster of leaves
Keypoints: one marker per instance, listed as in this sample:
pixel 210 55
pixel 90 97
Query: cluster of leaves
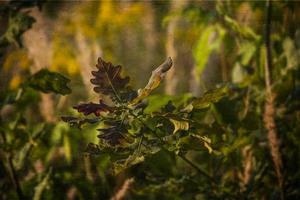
pixel 17 21
pixel 127 133
pixel 21 133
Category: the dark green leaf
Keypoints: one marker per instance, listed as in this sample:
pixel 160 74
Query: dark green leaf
pixel 17 24
pixel 47 81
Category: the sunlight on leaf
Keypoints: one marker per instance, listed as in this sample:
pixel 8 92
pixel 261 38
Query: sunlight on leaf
pixel 180 125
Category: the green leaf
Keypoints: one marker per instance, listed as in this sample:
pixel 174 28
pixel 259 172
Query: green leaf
pixel 210 97
pixel 244 31
pixel 247 51
pixel 156 102
pixel 291 53
pixel 39 189
pixel 18 24
pixel 205 45
pixel 47 81
pixel 130 161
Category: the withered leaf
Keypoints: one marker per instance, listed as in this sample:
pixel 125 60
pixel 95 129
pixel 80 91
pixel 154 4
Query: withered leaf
pixel 157 75
pixel 108 80
pixel 96 108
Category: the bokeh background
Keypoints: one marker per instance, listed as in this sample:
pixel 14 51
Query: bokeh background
pixel 210 42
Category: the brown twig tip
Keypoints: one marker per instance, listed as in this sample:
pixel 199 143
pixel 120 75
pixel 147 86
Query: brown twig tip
pixel 165 66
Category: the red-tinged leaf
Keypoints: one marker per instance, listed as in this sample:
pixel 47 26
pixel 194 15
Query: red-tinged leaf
pixel 93 149
pixel 113 135
pixel 96 108
pixel 108 80
pixel 78 122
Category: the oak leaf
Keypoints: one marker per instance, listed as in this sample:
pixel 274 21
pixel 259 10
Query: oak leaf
pixel 108 81
pixel 113 135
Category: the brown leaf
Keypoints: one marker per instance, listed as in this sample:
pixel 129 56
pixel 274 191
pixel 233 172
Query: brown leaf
pixel 113 135
pixel 89 108
pixel 78 122
pixel 108 81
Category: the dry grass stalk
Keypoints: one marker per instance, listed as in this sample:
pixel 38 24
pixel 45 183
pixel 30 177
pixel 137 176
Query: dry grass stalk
pixel 245 175
pixel 269 112
pixel 121 193
pixel 274 142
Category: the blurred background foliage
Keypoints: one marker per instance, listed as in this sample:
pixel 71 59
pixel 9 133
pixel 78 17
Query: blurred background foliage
pixel 45 44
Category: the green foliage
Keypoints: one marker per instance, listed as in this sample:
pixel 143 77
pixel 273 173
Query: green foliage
pixel 18 23
pixel 210 41
pixel 174 147
pixel 130 135
pixel 47 81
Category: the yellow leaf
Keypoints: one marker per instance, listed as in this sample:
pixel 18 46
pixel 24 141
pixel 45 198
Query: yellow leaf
pixel 180 125
pixel 210 150
pixel 67 148
pixel 15 82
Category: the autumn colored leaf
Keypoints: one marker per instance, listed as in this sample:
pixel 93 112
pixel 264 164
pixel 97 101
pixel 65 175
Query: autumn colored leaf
pixel 157 75
pixel 95 108
pixel 78 122
pixel 108 80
